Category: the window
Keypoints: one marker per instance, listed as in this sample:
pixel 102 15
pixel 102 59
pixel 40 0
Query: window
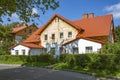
pixel 30 31
pixel 53 36
pixel 69 34
pixel 16 52
pixel 45 37
pixel 89 49
pixel 23 51
pixel 75 50
pixel 61 34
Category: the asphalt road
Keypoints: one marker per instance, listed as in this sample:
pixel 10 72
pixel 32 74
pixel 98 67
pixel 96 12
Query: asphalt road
pixel 16 72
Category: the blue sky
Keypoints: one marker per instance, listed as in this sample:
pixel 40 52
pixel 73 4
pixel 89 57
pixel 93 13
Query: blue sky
pixel 74 9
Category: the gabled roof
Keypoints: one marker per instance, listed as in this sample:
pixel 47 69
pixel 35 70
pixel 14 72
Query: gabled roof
pixel 21 27
pixel 97 26
pixel 64 19
pixel 90 27
pixel 30 45
pixel 35 37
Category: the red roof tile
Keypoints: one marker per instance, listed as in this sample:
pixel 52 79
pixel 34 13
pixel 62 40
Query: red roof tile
pixel 17 29
pixel 30 45
pixel 97 26
pixel 35 37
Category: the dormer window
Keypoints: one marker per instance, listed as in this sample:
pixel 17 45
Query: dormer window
pixel 69 34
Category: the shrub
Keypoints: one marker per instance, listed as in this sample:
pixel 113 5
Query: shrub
pixel 111 48
pixel 61 66
pixel 82 60
pixel 62 57
pixel 102 62
pixel 70 59
pixel 47 58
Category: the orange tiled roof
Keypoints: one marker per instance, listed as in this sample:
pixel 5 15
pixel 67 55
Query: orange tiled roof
pixel 19 28
pixel 30 45
pixel 97 26
pixel 35 37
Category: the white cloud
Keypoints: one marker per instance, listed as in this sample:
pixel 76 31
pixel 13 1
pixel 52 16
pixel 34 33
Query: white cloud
pixel 114 9
pixel 14 15
pixel 34 11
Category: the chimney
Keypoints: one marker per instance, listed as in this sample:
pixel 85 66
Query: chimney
pixel 91 15
pixel 85 16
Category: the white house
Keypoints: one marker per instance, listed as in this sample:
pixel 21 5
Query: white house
pixel 60 35
pixel 26 49
pixel 83 45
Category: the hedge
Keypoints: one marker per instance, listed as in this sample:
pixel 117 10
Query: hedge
pixel 110 62
pixel 43 58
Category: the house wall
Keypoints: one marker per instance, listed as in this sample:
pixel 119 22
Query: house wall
pixel 82 43
pixel 56 27
pixel 25 33
pixel 20 48
pixel 35 51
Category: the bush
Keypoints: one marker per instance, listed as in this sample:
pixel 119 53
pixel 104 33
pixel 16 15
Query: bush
pixel 102 62
pixel 62 57
pixel 111 48
pixel 82 60
pixel 61 66
pixel 44 58
pixel 70 60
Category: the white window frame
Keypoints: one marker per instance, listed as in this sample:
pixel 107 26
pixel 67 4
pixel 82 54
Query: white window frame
pixel 88 49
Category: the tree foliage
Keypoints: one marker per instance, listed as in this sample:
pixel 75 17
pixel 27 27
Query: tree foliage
pixel 6 38
pixel 24 8
pixel 117 33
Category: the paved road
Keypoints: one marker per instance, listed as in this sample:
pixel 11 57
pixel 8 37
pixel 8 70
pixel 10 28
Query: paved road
pixel 16 72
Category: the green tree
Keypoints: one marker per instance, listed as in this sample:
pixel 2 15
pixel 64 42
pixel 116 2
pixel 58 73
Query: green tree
pixel 6 38
pixel 24 8
pixel 117 33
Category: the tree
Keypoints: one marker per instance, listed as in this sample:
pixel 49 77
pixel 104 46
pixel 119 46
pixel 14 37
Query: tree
pixel 24 8
pixel 117 33
pixel 6 38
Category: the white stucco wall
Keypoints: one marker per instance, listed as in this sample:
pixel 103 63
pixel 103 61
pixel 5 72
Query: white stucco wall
pixel 20 48
pixel 35 51
pixel 82 43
